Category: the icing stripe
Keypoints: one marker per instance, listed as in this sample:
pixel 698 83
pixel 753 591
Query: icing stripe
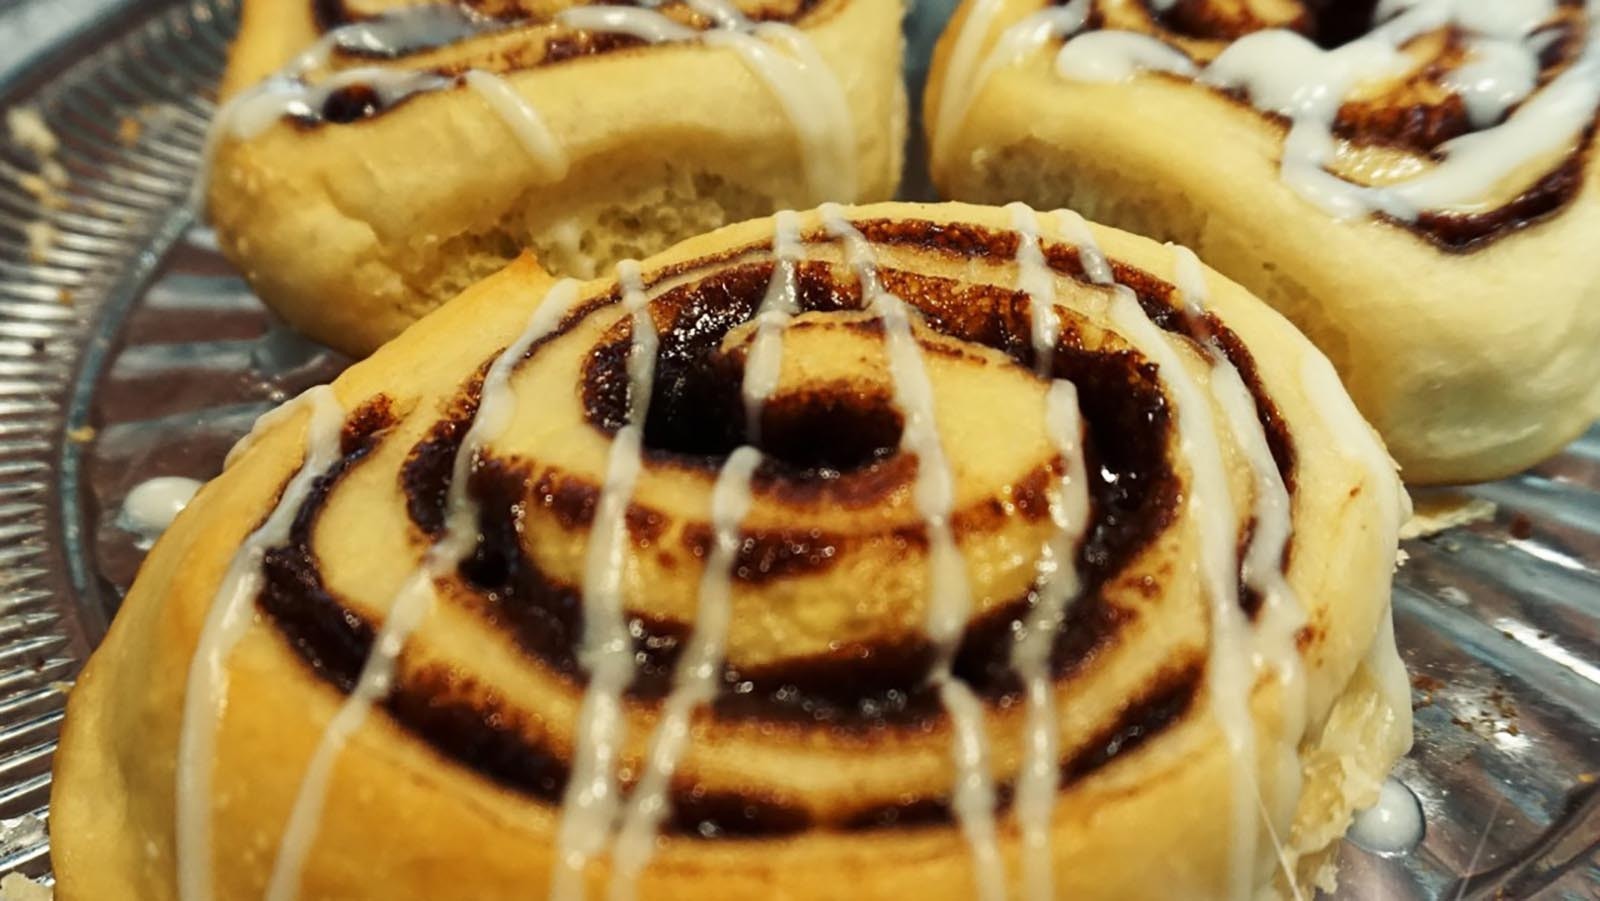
pixel 694 680
pixel 589 807
pixel 949 600
pixel 969 68
pixel 782 301
pixel 1282 614
pixel 1059 584
pixel 800 80
pixel 415 599
pixel 1228 671
pixel 229 617
pixel 523 120
pixel 1040 776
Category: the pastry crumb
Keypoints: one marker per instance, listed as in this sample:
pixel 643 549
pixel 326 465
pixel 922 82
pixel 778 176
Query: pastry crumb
pixel 129 130
pixel 83 434
pixel 54 174
pixel 17 887
pixel 41 237
pixel 1436 511
pixel 29 131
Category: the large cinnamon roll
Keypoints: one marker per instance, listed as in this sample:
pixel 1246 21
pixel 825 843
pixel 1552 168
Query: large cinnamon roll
pixel 1409 181
pixel 376 157
pixel 935 550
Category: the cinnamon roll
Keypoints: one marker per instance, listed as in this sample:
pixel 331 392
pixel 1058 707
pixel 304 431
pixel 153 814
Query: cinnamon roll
pixel 945 550
pixel 1409 181
pixel 375 157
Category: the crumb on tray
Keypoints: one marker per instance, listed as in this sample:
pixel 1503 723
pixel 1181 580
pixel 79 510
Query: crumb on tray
pixel 1437 511
pixel 17 887
pixel 41 237
pixel 29 132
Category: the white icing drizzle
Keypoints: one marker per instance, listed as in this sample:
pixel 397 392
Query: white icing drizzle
pixel 782 301
pixel 800 79
pixel 589 807
pixel 206 689
pixel 694 680
pixel 153 504
pixel 1391 826
pixel 1281 614
pixel 969 68
pixel 1356 441
pixel 1118 56
pixel 1039 778
pixel 1281 71
pixel 961 83
pixel 645 24
pixel 415 599
pixel 421 27
pixel 1229 675
pixel 523 120
pixel 266 422
pixel 1095 265
pixel 1500 74
pixel 949 600
pixel 1035 279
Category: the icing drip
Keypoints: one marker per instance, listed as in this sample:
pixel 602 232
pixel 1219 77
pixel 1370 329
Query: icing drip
pixel 1281 614
pixel 1228 673
pixel 961 83
pixel 694 680
pixel 1393 825
pixel 1281 71
pixel 153 504
pixel 266 422
pixel 1058 586
pixel 1035 279
pixel 206 689
pixel 1095 266
pixel 782 301
pixel 1118 56
pixel 1499 76
pixel 402 32
pixel 949 600
pixel 525 121
pixel 1040 776
pixel 969 68
pixel 646 25
pixel 800 79
pixel 415 599
pixel 1356 441
pixel 589 807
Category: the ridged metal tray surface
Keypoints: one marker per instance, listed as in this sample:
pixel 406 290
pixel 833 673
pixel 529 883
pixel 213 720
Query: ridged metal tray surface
pixel 129 349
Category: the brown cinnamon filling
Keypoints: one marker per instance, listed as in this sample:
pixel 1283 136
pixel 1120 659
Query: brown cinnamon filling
pixel 472 725
pixel 869 686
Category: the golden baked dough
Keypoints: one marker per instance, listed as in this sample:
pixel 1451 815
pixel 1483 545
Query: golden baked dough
pixel 1458 298
pixel 568 464
pixel 372 190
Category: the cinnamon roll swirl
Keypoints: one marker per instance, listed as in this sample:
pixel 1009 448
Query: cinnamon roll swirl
pixel 375 157
pixel 1409 181
pixel 951 550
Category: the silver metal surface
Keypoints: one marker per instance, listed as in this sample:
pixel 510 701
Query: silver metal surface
pixel 128 349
